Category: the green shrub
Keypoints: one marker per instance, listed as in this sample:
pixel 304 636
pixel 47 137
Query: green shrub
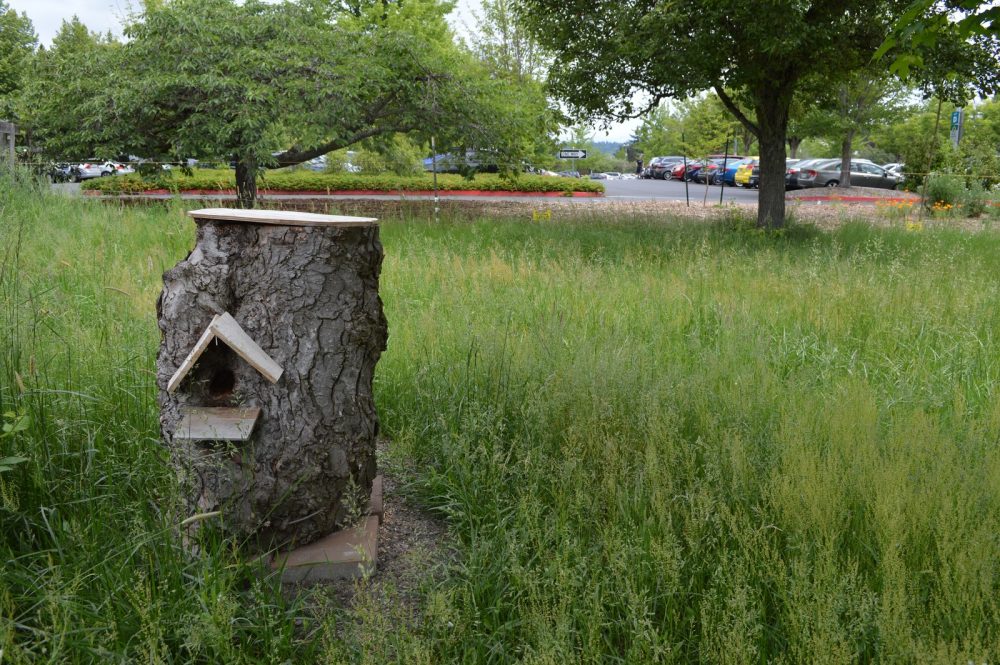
pixel 945 189
pixel 975 200
pixel 308 181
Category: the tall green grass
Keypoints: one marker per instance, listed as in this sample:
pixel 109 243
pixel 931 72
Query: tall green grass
pixel 93 570
pixel 701 444
pixel 653 443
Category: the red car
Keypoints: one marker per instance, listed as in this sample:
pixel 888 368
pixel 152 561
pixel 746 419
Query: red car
pixel 679 170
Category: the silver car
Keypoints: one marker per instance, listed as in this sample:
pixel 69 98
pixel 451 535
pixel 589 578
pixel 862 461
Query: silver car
pixel 863 174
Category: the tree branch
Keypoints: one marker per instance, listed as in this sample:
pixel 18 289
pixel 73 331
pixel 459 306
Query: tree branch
pixel 728 102
pixel 293 156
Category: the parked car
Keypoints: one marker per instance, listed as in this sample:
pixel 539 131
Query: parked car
pixel 729 175
pixel 707 171
pixel 895 167
pixel 647 170
pixel 661 168
pixel 91 168
pixel 60 172
pixel 742 177
pixel 863 174
pixel 598 176
pixel 119 168
pixel 613 175
pixel 692 171
pixel 679 171
pixel 570 174
pixel 792 168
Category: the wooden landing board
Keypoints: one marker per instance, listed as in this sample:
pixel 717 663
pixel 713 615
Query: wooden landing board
pixel 279 217
pixel 224 327
pixel 217 423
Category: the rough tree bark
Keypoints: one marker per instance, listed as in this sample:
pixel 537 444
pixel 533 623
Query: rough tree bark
pixel 772 121
pixel 309 297
pixel 846 148
pixel 771 127
pixel 246 182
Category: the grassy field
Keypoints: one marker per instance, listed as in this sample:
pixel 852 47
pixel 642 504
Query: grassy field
pixel 652 442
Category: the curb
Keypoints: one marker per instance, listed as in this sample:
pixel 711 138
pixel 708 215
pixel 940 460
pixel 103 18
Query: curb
pixel 358 192
pixel 851 199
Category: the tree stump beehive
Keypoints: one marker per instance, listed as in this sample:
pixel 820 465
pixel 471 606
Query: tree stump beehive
pixel 271 329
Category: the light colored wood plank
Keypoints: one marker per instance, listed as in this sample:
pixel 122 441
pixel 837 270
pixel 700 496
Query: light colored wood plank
pixel 279 217
pixel 192 358
pixel 342 554
pixel 225 328
pixel 217 423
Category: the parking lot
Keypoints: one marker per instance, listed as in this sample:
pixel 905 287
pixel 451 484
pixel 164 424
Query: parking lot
pixel 673 190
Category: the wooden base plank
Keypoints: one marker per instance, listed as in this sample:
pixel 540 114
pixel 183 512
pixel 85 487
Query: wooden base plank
pixel 345 554
pixel 217 423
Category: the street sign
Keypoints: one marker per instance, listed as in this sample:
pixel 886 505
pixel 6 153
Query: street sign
pixel 956 118
pixel 957 122
pixel 572 153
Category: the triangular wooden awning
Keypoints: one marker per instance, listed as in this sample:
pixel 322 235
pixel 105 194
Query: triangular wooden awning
pixel 225 328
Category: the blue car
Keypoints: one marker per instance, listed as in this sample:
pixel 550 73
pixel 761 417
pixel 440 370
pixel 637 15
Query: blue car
pixel 730 175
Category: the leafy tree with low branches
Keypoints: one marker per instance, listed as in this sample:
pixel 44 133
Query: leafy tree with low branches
pixel 276 84
pixel 602 62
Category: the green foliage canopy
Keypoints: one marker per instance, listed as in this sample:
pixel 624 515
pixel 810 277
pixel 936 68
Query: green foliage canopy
pixel 17 44
pixel 276 84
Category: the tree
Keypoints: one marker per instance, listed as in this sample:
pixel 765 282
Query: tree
pixel 696 127
pixel 60 104
pixel 862 101
pixel 512 56
pixel 660 132
pixel 17 44
pixel 276 84
pixel 603 61
pixel 501 41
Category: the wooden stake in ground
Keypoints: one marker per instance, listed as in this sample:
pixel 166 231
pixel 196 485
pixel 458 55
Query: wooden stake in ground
pixel 289 306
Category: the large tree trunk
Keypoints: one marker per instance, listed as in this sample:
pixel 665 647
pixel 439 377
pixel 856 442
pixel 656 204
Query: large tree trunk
pixel 846 148
pixel 772 121
pixel 308 296
pixel 246 182
pixel 771 104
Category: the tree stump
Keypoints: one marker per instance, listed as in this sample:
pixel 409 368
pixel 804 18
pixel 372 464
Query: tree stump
pixel 304 289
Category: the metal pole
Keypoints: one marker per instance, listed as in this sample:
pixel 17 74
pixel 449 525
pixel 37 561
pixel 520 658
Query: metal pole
pixel 687 198
pixel 434 175
pixel 7 133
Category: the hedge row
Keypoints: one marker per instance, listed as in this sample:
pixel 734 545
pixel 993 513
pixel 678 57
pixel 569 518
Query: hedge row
pixel 307 181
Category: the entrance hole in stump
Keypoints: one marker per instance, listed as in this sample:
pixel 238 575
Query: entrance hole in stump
pixel 213 380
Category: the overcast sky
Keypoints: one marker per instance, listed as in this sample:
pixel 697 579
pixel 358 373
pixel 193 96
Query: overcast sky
pixel 104 15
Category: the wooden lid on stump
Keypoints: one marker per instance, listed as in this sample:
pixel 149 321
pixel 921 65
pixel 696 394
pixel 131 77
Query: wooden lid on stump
pixel 278 217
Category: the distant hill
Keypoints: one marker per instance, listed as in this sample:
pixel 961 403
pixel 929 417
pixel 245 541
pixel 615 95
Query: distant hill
pixel 608 146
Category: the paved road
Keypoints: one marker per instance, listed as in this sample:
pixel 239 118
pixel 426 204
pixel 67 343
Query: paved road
pixel 615 190
pixel 673 190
